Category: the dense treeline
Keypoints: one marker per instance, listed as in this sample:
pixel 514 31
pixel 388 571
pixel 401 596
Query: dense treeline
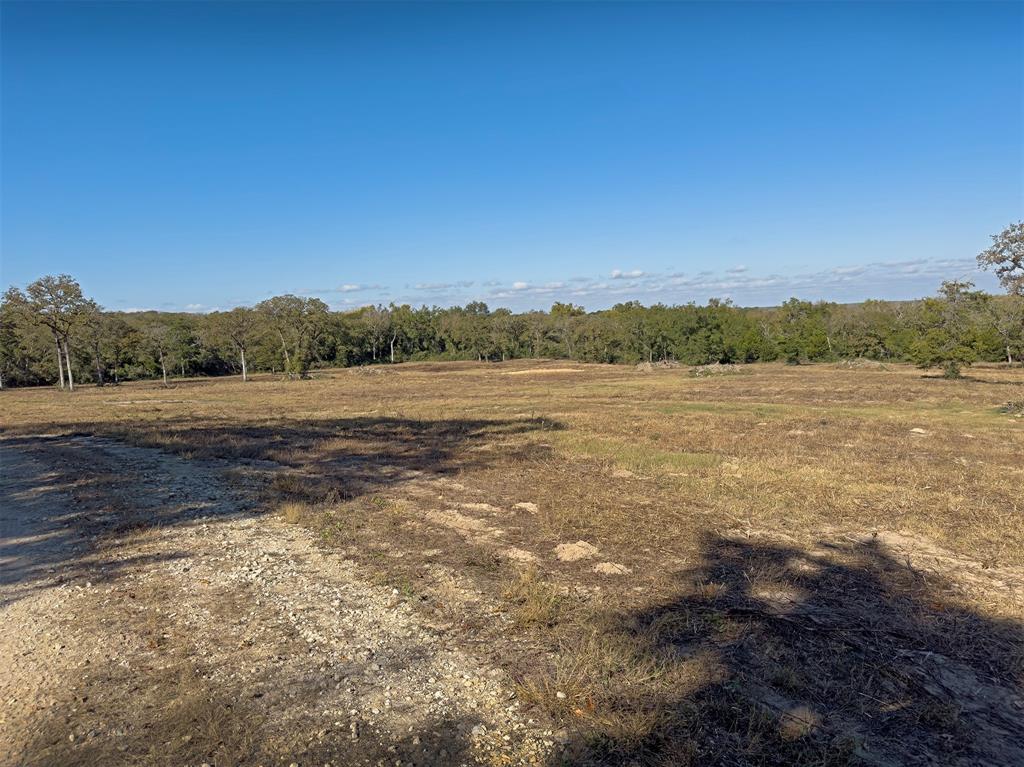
pixel 293 334
pixel 50 333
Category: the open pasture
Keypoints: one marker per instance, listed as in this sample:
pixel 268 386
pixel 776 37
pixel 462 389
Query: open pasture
pixel 764 564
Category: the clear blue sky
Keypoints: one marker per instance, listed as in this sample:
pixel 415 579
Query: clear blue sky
pixel 202 155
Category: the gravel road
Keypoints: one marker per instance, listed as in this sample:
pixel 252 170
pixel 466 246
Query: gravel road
pixel 134 582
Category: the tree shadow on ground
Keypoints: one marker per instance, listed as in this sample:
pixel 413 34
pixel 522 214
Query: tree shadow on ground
pixel 72 511
pixel 837 655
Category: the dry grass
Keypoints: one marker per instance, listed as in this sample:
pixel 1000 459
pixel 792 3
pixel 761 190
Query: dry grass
pixel 760 609
pixel 293 512
pixel 163 711
pixel 535 602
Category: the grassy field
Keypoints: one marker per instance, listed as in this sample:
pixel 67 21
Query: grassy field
pixel 767 564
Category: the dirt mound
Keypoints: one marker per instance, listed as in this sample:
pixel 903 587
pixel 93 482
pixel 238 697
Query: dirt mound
pixel 714 369
pixel 573 552
pixel 647 367
pixel 861 363
pixel 611 568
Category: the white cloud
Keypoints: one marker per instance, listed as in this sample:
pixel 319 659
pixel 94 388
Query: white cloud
pixel 433 286
pixel 744 284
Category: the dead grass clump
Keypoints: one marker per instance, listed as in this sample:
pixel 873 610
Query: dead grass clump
pixel 293 512
pixel 647 367
pixel 535 601
pixel 861 363
pixel 714 369
pixel 302 487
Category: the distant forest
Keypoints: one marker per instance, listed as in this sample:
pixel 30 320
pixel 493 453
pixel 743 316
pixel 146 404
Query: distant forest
pixel 52 334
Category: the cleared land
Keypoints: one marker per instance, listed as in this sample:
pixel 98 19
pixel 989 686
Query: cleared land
pixel 515 563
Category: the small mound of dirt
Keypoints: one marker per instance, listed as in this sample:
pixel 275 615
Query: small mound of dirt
pixel 647 367
pixel 611 568
pixel 573 552
pixel 861 363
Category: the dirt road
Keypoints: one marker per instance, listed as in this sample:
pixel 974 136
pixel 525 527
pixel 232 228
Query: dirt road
pixel 150 615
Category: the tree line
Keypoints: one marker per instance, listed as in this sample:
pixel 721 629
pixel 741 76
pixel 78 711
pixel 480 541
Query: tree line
pixel 51 333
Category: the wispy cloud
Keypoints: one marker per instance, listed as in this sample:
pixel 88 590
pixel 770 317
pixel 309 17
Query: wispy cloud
pixel 743 284
pixel 439 286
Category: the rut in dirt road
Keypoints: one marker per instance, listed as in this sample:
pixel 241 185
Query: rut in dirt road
pixel 153 617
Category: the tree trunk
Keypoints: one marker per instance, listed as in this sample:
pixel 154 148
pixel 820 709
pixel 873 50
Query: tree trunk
pixel 393 339
pixel 60 364
pixel 99 366
pixel 245 375
pixel 67 359
pixel 182 369
pixel 163 368
pixel 287 357
pixel 1009 356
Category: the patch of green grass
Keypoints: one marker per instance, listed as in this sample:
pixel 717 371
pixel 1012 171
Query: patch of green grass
pixel 636 456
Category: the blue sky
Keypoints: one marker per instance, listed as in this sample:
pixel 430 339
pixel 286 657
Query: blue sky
pixel 201 155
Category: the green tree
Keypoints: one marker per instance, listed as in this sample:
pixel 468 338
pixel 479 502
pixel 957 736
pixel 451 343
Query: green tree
pixel 946 340
pixel 238 328
pixel 299 324
pixel 1006 257
pixel 57 303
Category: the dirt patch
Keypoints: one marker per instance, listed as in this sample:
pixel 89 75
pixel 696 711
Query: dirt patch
pixel 611 568
pixel 649 367
pixel 573 552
